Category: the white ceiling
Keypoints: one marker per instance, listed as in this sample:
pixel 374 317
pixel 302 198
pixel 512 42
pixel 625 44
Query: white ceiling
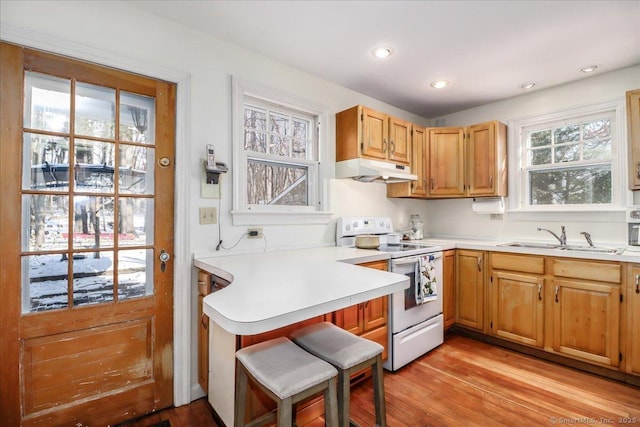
pixel 486 49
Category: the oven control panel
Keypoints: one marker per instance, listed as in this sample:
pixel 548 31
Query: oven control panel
pixel 353 226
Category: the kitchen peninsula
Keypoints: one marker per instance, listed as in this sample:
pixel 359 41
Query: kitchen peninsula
pixel 275 289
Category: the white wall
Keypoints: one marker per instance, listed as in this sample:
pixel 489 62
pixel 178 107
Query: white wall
pixel 115 28
pixel 455 218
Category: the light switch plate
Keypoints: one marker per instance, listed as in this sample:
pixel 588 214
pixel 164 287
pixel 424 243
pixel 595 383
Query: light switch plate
pixel 208 216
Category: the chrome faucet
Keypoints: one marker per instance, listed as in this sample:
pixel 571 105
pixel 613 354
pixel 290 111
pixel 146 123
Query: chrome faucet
pixel 588 237
pixel 563 236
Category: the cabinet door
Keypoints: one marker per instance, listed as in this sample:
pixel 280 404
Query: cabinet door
pixel 470 289
pixel 448 288
pixel 350 319
pixel 481 149
pixel 419 160
pixel 375 313
pixel 586 321
pixel 374 134
pixel 633 125
pixel 399 141
pixel 633 322
pixel 446 162
pixel 203 347
pixel 518 307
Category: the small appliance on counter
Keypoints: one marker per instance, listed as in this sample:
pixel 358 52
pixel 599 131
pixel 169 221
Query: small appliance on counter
pixel 633 222
pixel 415 228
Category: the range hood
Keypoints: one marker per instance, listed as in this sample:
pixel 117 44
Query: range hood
pixel 367 170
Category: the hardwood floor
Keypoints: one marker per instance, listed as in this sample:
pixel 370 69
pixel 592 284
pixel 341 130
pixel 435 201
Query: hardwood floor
pixel 469 383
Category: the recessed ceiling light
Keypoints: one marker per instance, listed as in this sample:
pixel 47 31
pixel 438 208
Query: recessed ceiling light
pixel 528 85
pixel 589 69
pixel 440 84
pixel 382 52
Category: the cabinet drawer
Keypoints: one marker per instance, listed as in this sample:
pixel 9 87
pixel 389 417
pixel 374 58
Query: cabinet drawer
pixel 588 270
pixel 522 263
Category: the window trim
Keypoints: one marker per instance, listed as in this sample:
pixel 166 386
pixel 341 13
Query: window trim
pixel 620 195
pixel 244 214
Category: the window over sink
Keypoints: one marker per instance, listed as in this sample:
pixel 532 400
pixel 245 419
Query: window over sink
pixel 277 175
pixel 570 160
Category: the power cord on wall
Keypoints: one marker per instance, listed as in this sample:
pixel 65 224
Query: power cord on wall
pixel 220 245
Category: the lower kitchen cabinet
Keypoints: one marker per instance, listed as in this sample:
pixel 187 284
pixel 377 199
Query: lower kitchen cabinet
pixel 469 292
pixel 633 321
pixel 517 298
pixel 586 310
pixel 449 288
pixel 368 319
pixel 204 288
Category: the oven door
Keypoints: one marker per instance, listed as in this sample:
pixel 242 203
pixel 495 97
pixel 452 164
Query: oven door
pixel 404 312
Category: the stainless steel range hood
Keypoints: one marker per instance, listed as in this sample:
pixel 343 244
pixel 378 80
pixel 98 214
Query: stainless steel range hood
pixel 367 170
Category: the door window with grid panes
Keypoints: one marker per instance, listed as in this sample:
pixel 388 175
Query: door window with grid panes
pixel 87 196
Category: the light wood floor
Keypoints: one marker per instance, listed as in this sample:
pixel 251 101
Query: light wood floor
pixel 469 383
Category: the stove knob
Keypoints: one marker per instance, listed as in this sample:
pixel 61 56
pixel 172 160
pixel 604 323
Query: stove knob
pixel 348 227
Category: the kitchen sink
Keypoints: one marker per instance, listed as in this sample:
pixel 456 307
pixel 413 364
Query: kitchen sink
pixel 532 245
pixel 592 249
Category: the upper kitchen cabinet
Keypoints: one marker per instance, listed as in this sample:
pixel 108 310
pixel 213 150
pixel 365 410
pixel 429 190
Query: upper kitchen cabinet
pixel 633 124
pixel 419 149
pixel 468 161
pixel 363 132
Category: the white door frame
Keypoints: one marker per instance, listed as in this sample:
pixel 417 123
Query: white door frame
pixel 182 392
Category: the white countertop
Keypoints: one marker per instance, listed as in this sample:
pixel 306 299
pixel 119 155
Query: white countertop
pixel 269 290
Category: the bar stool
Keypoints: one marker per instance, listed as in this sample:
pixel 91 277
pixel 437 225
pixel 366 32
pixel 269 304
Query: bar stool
pixel 349 353
pixel 287 374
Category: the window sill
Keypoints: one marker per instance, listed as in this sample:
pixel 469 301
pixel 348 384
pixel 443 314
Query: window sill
pixel 279 218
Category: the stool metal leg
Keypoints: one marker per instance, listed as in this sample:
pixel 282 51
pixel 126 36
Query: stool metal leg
pixel 330 404
pixel 378 392
pixel 241 396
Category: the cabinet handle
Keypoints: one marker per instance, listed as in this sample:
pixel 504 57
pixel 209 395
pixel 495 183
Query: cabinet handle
pixel 490 181
pixel 392 146
pixel 539 292
pixel 557 289
pixel 479 263
pixel 384 145
pixel 203 320
pixel 432 185
pixel 637 283
pixel 638 170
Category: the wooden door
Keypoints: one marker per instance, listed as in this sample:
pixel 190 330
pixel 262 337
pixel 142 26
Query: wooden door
pixel 633 322
pixel 87 313
pixel 374 134
pixel 448 288
pixel 586 321
pixel 446 162
pixel 518 307
pixel 419 151
pixel 399 141
pixel 470 289
pixel 633 126
pixel 481 152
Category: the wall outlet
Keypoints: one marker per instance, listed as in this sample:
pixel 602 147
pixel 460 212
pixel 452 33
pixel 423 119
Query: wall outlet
pixel 254 233
pixel 208 216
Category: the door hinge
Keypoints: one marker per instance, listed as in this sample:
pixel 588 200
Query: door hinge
pixel 491 325
pixel 621 298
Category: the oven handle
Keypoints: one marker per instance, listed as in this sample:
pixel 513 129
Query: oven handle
pixel 405 261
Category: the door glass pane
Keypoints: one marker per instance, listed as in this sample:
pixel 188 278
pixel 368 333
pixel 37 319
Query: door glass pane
pixel 47 102
pixel 135 161
pixel 135 273
pixel 94 166
pixel 136 222
pixel 44 283
pixel 92 278
pixel 45 222
pixel 137 118
pixel 95 111
pixel 45 162
pixel 93 225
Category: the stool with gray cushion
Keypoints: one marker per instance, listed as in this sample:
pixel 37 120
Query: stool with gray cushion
pixel 287 374
pixel 349 353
